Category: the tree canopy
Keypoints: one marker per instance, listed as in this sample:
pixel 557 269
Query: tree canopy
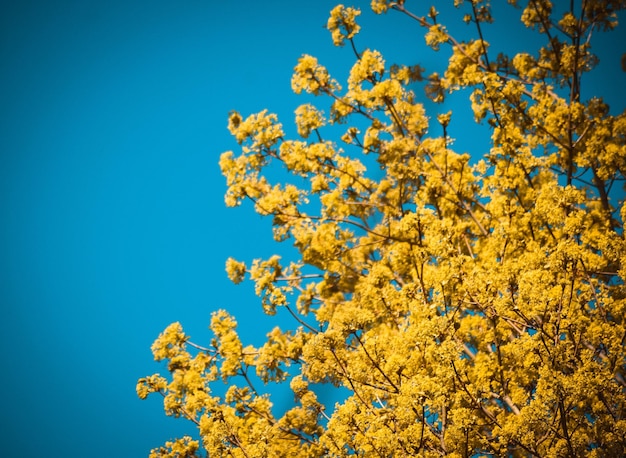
pixel 471 305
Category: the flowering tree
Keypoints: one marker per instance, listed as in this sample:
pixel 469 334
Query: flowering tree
pixel 470 305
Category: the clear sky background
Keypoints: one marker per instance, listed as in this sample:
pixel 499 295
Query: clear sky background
pixel 112 222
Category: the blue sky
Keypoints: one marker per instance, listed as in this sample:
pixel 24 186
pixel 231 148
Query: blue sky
pixel 112 118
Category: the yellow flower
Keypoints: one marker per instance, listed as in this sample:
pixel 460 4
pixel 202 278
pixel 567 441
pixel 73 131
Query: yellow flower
pixel 342 24
pixel 308 118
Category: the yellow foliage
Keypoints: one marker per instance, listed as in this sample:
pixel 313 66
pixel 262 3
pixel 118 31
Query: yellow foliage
pixel 470 305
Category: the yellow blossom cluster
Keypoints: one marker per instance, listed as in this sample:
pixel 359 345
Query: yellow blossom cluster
pixel 342 24
pixel 184 447
pixel 309 76
pixel 469 305
pixel 308 119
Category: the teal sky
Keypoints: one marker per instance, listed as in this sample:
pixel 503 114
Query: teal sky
pixel 112 118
